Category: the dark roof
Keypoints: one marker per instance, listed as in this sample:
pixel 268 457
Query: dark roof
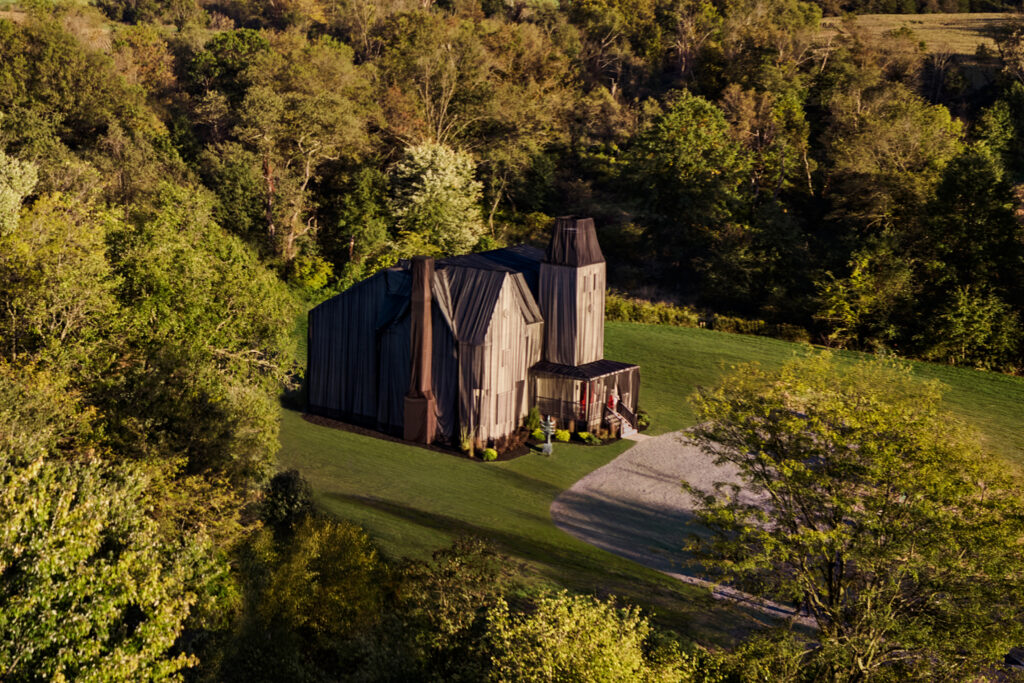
pixel 466 289
pixel 574 243
pixel 599 368
pixel 473 293
pixel 521 258
pixel 388 289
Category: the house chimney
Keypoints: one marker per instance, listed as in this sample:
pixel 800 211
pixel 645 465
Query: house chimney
pixel 420 404
pixel 573 243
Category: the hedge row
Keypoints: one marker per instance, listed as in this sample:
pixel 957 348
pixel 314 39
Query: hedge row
pixel 629 309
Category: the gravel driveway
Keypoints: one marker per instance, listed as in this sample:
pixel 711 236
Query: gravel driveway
pixel 635 507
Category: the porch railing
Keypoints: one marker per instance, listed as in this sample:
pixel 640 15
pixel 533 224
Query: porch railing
pixel 569 410
pixel 587 414
pixel 625 412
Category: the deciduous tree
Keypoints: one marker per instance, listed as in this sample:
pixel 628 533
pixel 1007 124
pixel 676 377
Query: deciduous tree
pixel 435 199
pixel 875 511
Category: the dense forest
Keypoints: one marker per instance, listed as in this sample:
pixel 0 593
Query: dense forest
pixel 179 180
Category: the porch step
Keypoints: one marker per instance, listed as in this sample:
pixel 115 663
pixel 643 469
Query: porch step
pixel 626 430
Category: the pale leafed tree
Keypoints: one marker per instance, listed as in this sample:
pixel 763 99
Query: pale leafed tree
pixel 435 199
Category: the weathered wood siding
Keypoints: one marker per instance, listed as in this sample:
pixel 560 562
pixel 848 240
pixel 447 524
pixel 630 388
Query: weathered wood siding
pixel 495 373
pixel 590 289
pixel 572 302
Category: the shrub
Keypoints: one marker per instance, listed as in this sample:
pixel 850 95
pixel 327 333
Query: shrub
pixel 589 439
pixel 643 419
pixel 489 455
pixel 581 638
pixel 634 310
pixel 562 435
pixel 466 441
pixel 533 419
pixel 725 323
pixel 287 500
pixel 538 434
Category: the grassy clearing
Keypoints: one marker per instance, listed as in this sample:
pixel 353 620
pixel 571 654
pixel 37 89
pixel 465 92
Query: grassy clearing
pixel 956 34
pixel 413 501
pixel 674 361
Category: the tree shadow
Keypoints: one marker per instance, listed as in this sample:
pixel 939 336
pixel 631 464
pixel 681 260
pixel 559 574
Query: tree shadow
pixel 566 564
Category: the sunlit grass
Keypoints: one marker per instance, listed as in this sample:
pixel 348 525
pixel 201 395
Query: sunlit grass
pixel 413 501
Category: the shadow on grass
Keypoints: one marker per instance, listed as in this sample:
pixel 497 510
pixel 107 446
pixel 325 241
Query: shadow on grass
pixel 579 568
pixel 556 559
pixel 526 483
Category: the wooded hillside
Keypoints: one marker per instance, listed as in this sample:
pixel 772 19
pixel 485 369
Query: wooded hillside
pixel 180 179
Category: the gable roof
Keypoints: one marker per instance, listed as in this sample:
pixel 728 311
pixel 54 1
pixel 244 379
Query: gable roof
pixel 521 258
pixel 465 288
pixel 467 296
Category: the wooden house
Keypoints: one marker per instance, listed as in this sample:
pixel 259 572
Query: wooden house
pixel 467 345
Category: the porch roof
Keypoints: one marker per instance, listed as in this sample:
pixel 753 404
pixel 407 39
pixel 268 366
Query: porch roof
pixel 599 368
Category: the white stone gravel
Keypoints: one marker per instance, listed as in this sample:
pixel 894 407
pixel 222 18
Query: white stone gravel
pixel 635 507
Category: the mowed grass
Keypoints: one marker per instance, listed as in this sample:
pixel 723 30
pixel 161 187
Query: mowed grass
pixel 413 501
pixel 675 361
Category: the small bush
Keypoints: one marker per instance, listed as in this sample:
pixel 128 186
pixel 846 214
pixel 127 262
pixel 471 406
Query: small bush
pixel 287 501
pixel 725 323
pixel 538 434
pixel 589 439
pixel 533 419
pixel 635 310
pixel 562 435
pixel 489 455
pixel 643 419
pixel 466 441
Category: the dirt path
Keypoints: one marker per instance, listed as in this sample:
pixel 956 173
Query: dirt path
pixel 636 508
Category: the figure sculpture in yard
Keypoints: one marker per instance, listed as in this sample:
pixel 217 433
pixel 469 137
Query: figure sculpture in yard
pixel 548 427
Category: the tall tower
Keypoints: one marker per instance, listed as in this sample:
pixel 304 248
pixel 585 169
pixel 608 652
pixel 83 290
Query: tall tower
pixel 572 286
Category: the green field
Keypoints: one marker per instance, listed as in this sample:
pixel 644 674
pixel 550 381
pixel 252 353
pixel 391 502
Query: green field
pixel 413 501
pixel 956 34
pixel 674 361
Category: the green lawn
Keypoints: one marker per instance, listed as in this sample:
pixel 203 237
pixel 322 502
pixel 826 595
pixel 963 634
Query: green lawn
pixel 413 501
pixel 674 361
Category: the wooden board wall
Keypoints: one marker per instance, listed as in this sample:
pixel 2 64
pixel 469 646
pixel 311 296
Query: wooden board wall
pixel 494 375
pixel 572 302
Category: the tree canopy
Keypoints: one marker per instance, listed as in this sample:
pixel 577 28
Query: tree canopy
pixel 874 511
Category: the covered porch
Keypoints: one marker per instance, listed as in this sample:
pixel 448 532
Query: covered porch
pixel 587 397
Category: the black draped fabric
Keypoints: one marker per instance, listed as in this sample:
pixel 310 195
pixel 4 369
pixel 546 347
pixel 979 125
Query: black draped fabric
pixel 393 375
pixel 482 354
pixel 520 258
pixel 598 368
pixel 445 377
pixel 352 338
